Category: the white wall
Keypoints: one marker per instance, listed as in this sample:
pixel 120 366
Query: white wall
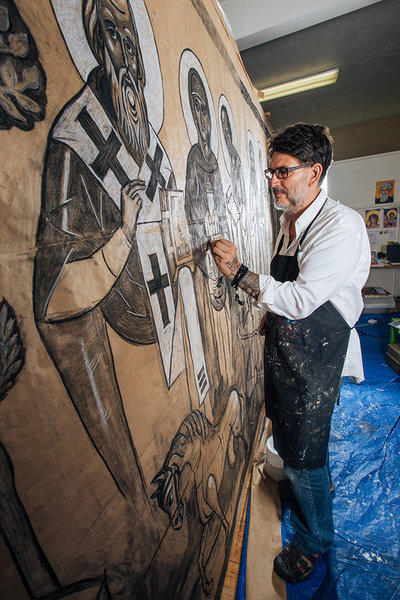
pixel 353 182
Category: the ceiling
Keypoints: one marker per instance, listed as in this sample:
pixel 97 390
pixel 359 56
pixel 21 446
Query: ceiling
pixel 295 38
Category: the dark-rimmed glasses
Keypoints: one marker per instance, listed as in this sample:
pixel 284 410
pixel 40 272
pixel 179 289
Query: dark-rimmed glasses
pixel 283 172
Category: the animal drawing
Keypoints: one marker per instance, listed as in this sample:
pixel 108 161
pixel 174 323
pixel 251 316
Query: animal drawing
pixel 196 458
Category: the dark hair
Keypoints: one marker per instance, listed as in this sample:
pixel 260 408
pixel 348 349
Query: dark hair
pixel 307 143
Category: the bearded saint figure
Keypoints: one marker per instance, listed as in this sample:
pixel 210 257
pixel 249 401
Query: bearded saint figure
pixel 103 169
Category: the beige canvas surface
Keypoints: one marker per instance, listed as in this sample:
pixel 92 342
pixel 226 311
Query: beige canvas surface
pixel 131 379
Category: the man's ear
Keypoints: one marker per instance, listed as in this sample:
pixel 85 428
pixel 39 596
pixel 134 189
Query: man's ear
pixel 316 172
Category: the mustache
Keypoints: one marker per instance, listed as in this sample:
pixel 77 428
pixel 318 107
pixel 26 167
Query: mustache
pixel 126 80
pixel 278 190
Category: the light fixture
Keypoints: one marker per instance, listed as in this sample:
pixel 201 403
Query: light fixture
pixel 298 85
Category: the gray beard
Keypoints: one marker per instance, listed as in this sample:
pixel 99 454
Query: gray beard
pixel 130 108
pixel 289 209
pixel 294 203
pixel 383 197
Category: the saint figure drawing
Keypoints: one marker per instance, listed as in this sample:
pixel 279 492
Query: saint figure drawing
pixel 206 216
pixel 103 169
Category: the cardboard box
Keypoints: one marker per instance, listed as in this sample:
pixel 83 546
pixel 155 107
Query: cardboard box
pixel 393 357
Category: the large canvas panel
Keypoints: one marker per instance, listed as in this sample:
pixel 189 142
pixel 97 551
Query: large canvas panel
pixel 131 375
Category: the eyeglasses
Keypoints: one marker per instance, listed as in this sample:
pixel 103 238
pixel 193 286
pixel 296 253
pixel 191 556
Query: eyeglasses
pixel 283 172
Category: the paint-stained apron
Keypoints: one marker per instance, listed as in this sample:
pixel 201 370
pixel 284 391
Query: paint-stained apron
pixel 303 362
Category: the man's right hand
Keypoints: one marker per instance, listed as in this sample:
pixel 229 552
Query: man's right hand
pixel 224 253
pixel 131 203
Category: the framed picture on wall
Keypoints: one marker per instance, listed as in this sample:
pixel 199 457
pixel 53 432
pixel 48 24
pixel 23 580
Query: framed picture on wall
pixel 373 219
pixel 384 191
pixel 390 216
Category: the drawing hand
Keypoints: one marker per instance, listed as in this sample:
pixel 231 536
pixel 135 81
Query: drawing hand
pixel 225 256
pixel 131 203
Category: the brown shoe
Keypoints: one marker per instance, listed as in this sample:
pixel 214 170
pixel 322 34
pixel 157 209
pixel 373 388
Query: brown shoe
pixel 293 565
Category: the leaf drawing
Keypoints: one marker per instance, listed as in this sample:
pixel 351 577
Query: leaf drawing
pixel 22 79
pixel 12 352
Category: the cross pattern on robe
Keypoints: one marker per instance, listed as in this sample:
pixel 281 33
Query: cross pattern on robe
pixel 158 285
pixel 108 149
pixel 156 176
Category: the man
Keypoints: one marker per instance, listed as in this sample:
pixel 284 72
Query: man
pixel 313 299
pixel 88 270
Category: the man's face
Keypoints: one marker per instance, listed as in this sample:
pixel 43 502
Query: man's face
pixel 290 194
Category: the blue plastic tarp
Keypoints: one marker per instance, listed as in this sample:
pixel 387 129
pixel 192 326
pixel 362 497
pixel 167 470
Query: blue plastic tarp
pixel 364 561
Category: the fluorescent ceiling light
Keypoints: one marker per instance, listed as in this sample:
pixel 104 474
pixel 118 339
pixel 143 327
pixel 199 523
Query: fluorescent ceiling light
pixel 298 85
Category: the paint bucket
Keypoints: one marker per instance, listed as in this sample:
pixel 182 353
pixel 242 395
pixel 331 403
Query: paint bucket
pixel 273 465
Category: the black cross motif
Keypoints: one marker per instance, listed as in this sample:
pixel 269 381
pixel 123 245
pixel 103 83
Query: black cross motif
pixel 108 149
pixel 157 286
pixel 156 177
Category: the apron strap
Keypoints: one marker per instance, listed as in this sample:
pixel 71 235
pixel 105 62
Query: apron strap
pixel 316 216
pixel 305 233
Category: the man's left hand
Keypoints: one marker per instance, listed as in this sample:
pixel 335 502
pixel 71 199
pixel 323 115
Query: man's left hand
pixel 225 256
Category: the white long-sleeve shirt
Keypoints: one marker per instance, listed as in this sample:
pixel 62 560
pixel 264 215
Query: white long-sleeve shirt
pixel 334 262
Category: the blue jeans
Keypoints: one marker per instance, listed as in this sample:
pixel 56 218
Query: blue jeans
pixel 311 513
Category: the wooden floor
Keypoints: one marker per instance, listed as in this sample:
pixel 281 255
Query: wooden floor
pixel 232 572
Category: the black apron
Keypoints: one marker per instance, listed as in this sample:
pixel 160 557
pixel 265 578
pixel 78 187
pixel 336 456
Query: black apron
pixel 303 363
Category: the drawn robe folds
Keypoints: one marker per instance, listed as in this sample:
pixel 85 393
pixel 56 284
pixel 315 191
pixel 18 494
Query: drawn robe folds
pixel 206 215
pixel 81 213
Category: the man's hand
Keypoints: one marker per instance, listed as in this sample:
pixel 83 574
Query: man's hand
pixel 224 253
pixel 131 203
pixel 225 256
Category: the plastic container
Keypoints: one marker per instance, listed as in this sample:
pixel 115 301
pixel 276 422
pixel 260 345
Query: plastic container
pixel 273 465
pixel 376 306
